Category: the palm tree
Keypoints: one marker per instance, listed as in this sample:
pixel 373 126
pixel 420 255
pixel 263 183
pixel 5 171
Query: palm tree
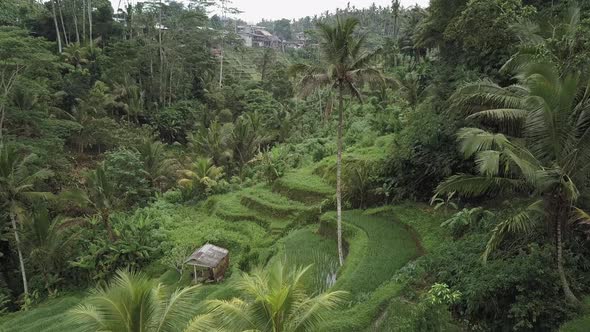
pixel 100 196
pixel 542 147
pixel 134 303
pixel 46 244
pixel 274 300
pixel 409 86
pixel 212 142
pixel 17 189
pixel 199 179
pixel 247 137
pixel 346 67
pixel 156 166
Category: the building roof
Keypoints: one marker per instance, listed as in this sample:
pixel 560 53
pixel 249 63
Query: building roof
pixel 207 256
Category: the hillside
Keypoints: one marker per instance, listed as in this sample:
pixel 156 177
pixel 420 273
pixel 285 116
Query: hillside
pixel 168 167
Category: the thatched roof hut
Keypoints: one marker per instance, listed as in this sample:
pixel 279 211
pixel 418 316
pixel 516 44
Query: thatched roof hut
pixel 211 261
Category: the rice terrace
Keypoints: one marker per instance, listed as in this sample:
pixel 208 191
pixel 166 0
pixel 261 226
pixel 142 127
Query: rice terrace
pixel 255 165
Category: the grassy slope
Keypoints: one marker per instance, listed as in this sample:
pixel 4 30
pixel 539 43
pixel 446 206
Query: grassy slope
pixel 47 317
pixel 303 186
pixel 580 324
pixel 305 246
pixel 379 246
pixel 425 224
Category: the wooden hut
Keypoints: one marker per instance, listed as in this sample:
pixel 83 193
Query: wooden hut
pixel 209 263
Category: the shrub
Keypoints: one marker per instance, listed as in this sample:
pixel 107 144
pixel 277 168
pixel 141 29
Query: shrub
pixel 140 242
pixel 461 221
pixel 423 153
pixel 518 292
pixel 432 312
pixel 127 173
pixel 176 121
pixel 270 165
pixel 4 299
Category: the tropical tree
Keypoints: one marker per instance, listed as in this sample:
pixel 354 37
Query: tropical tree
pixel 17 189
pixel 156 165
pixel 346 66
pixel 247 137
pixel 213 143
pixel 542 147
pixel 45 243
pixel 135 303
pixel 200 179
pixel 275 300
pixel 100 196
pixel 409 86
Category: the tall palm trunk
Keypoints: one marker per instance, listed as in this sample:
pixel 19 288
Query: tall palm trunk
pixel 63 25
pixel 339 172
pixel 569 295
pixel 161 54
pixel 90 21
pixel 75 15
pixel 20 254
pixel 83 20
pixel 557 212
pixel 57 32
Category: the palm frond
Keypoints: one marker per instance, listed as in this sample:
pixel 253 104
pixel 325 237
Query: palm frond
pixel 473 140
pixel 232 314
pixel 500 115
pixel 471 185
pixel 202 323
pixel 177 310
pixel 87 318
pixel 310 313
pixel 523 222
pixel 472 97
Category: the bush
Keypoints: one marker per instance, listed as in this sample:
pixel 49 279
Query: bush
pixel 127 173
pixel 176 121
pixel 271 165
pixel 423 153
pixel 140 242
pixel 519 292
pixel 4 299
pixel 461 221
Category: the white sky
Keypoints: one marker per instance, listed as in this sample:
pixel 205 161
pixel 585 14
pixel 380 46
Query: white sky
pixel 256 10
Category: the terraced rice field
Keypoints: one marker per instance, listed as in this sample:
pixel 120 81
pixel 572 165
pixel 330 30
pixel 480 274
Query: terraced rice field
pixel 48 317
pixel 379 245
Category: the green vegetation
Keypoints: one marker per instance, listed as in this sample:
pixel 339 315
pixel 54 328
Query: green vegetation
pixel 47 316
pixel 305 247
pixel 578 324
pixel 385 168
pixel 274 299
pixel 303 186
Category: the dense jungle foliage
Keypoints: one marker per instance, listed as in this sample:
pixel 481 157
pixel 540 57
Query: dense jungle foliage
pixel 399 169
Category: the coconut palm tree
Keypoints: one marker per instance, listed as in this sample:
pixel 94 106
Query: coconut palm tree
pixel 134 303
pixel 542 146
pixel 212 142
pixel 345 67
pixel 45 243
pixel 17 188
pixel 100 196
pixel 274 301
pixel 199 180
pixel 157 167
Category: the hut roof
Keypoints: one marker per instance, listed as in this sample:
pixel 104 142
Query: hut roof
pixel 207 256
